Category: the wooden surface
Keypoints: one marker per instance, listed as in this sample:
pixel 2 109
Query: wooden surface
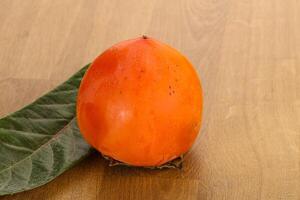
pixel 247 53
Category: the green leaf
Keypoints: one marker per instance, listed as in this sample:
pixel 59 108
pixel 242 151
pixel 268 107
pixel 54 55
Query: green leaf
pixel 42 140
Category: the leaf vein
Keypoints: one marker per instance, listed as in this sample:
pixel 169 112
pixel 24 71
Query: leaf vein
pixel 36 150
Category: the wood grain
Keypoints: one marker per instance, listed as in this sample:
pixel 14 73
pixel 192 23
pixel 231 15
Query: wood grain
pixel 247 53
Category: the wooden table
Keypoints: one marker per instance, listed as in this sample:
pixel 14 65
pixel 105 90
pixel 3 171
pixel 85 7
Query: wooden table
pixel 247 53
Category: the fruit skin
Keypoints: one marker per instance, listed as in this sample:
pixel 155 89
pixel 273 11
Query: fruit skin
pixel 140 102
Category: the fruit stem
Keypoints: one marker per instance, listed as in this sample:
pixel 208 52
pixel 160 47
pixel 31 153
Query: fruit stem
pixel 144 37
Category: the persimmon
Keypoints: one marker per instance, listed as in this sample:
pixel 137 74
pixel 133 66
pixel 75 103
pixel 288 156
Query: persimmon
pixel 140 102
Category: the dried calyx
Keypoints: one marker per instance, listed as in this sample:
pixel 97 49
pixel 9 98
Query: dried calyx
pixel 175 163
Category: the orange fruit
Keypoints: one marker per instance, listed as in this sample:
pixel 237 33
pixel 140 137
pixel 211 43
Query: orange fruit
pixel 140 102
